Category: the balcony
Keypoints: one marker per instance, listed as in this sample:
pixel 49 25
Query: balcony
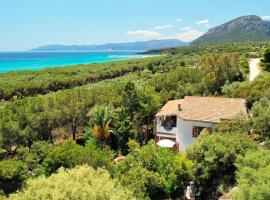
pixel 167 130
pixel 167 125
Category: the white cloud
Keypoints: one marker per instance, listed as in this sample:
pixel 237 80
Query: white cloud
pixel 189 35
pixel 179 20
pixel 144 34
pixel 163 27
pixel 266 18
pixel 186 28
pixel 203 22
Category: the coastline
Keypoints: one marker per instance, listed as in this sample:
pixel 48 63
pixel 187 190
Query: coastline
pixel 33 61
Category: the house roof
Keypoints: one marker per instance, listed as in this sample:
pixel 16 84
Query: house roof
pixel 207 109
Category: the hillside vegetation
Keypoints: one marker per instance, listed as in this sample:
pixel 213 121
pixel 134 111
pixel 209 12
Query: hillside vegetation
pixel 92 123
pixel 32 83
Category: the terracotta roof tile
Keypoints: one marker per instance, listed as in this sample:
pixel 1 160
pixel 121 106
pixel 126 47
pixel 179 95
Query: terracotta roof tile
pixel 209 109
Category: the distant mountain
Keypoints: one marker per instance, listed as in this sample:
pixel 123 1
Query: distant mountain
pixel 131 46
pixel 249 28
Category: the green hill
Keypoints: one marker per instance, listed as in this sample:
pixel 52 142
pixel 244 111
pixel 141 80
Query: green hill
pixel 243 29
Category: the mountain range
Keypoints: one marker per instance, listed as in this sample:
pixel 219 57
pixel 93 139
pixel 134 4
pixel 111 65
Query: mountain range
pixel 249 28
pixel 131 46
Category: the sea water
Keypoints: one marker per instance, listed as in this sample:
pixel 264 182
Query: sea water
pixel 13 61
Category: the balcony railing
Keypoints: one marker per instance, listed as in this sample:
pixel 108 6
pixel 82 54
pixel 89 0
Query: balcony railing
pixel 167 130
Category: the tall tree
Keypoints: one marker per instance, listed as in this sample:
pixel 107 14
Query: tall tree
pixel 124 128
pixel 219 69
pixel 266 60
pixel 74 107
pixel 9 133
pixel 131 99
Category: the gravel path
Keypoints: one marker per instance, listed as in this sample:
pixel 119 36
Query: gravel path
pixel 254 68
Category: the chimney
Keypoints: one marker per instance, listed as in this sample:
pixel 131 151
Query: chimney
pixel 179 107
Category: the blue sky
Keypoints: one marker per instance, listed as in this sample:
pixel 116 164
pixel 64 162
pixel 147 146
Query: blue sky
pixel 29 23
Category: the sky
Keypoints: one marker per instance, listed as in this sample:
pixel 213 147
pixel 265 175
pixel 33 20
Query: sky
pixel 26 24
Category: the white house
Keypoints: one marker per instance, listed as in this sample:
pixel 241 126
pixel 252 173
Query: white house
pixel 179 122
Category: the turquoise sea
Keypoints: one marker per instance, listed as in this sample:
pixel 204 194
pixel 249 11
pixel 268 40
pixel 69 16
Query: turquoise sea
pixel 13 61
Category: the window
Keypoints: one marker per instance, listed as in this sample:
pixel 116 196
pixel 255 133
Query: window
pixel 198 129
pixel 169 121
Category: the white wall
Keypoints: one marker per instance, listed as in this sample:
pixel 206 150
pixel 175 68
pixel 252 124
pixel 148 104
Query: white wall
pixel 184 131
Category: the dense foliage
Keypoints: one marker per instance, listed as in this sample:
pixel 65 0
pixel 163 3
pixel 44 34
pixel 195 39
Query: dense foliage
pixel 218 69
pixel 29 83
pixel 253 177
pixel 152 171
pixel 251 91
pixel 266 60
pixel 80 183
pixel 12 174
pixel 32 83
pixel 70 154
pixel 260 120
pixel 102 117
pixel 257 126
pixel 214 157
pixel 23 122
pixel 241 48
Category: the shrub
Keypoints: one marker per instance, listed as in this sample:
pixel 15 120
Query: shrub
pixel 70 154
pixel 12 174
pixel 239 124
pixel 261 117
pixel 253 176
pixel 214 157
pixel 155 171
pixel 80 183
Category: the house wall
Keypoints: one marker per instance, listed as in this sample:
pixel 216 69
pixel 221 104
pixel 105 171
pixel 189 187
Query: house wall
pixel 184 131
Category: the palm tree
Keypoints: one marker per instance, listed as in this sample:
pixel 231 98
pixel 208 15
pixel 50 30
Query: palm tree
pixel 100 120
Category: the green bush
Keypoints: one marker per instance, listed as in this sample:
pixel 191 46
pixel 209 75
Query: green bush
pixel 261 117
pixel 35 156
pixel 80 183
pixel 69 154
pixel 239 124
pixel 253 176
pixel 266 60
pixel 214 159
pixel 12 174
pixel 251 91
pixel 153 171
